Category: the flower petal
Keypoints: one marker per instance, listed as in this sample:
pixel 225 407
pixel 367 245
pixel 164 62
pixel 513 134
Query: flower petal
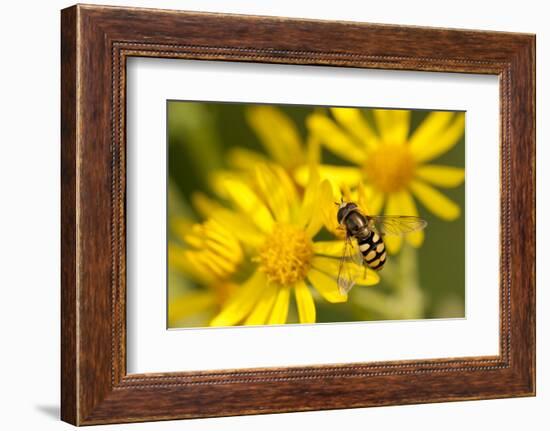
pixel 353 120
pixel 287 184
pixel 393 124
pixel 304 303
pixel 245 199
pixel 242 302
pixel 310 199
pixel 272 193
pixel 326 286
pixel 263 307
pixel 211 262
pixel 443 176
pixel 329 248
pixel 367 277
pixel 204 204
pixel 328 209
pixel 312 216
pixel 435 201
pixel 179 259
pixel 243 158
pixel 339 175
pixel 279 312
pixel 214 236
pixel 200 265
pixel 239 226
pixel 335 139
pixel 437 137
pixel 245 232
pixel 432 126
pixel 313 150
pixel 277 133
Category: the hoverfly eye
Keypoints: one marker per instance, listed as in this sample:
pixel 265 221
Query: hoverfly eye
pixel 340 215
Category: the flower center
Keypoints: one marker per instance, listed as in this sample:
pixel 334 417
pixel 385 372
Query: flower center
pixel 390 167
pixel 286 255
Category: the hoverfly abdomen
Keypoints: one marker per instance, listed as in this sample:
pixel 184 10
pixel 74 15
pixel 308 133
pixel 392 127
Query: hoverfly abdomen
pixel 373 250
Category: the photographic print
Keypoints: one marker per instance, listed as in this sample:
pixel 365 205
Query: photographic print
pixel 290 214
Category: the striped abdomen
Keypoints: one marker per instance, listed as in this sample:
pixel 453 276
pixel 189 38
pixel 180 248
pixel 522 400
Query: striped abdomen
pixel 373 250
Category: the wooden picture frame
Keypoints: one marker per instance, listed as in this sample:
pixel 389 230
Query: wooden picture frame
pixel 95 43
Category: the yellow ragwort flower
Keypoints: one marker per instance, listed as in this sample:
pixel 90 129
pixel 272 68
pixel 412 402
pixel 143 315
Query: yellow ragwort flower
pixel 277 228
pixel 393 165
pixel 211 257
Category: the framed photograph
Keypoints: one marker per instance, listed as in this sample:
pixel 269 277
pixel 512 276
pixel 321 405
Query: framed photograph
pixel 266 215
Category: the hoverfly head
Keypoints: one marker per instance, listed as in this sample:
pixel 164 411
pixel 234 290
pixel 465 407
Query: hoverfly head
pixel 344 209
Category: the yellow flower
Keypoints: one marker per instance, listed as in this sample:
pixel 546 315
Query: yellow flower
pixel 278 227
pixel 214 253
pixel 393 165
pixel 211 257
pixel 278 135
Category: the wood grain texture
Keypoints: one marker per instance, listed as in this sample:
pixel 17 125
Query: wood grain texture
pixel 96 41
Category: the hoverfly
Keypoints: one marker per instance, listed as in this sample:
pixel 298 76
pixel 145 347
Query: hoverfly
pixel 368 249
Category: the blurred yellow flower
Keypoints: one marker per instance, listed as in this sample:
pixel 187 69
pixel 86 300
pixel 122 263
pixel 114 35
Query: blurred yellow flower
pixel 393 165
pixel 211 256
pixel 278 227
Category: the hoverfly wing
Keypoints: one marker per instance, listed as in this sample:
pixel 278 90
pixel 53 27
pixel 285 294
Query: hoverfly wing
pixel 350 264
pixel 397 225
